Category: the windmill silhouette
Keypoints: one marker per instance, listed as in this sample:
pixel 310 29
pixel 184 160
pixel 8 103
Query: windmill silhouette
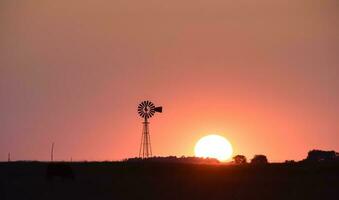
pixel 146 109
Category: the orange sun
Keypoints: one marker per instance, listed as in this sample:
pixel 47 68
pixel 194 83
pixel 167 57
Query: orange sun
pixel 214 146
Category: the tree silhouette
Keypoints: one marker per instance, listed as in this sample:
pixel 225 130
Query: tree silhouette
pixel 259 159
pixel 319 155
pixel 240 159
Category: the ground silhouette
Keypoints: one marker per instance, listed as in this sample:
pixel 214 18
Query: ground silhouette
pixel 159 178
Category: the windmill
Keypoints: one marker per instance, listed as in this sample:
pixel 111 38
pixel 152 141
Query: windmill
pixel 146 109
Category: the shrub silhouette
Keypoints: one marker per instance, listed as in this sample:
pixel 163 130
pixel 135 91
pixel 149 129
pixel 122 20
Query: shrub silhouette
pixel 289 161
pixel 240 159
pixel 259 159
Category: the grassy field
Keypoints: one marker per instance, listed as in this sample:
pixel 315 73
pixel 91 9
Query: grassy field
pixel 147 180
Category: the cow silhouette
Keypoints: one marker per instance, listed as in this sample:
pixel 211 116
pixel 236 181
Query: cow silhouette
pixel 61 171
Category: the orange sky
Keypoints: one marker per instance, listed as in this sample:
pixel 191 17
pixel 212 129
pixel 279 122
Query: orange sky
pixel 263 74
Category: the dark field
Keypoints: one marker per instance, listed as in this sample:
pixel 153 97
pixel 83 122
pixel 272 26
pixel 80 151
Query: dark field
pixel 107 180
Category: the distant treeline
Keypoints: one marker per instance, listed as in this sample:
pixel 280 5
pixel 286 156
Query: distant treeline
pixel 313 156
pixel 174 159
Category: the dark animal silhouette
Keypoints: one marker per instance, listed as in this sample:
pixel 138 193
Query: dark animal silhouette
pixel 319 155
pixel 61 170
pixel 259 159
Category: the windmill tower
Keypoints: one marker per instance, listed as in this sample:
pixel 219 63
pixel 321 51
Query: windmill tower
pixel 146 110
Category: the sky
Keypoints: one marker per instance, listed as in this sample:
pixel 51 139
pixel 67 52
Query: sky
pixel 263 74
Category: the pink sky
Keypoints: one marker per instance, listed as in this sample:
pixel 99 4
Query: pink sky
pixel 263 74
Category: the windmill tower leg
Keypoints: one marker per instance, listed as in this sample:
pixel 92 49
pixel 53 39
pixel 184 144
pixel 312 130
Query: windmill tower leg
pixel 145 150
pixel 149 147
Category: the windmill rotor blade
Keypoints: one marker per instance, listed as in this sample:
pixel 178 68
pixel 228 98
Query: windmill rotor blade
pixel 146 109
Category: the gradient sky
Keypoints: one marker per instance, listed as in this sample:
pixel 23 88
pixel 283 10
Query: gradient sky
pixel 263 74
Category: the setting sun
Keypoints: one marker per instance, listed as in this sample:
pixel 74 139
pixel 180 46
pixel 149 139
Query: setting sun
pixel 214 146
